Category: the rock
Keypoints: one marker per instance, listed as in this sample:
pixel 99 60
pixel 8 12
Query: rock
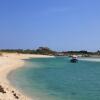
pixel 2 89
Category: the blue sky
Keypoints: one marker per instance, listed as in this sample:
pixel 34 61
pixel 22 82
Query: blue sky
pixel 58 24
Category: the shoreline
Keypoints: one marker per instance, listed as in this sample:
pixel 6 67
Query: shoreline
pixel 8 63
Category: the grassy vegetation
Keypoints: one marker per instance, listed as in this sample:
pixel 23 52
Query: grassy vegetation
pixel 48 51
pixel 40 50
pixel 0 54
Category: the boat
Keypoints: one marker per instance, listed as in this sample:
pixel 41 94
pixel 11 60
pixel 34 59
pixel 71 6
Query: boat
pixel 74 59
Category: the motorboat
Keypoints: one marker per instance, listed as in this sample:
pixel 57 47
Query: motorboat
pixel 74 59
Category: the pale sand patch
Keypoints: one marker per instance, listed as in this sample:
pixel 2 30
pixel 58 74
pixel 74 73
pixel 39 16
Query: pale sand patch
pixel 9 62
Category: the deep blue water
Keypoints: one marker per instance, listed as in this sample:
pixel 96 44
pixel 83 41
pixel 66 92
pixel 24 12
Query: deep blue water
pixel 58 79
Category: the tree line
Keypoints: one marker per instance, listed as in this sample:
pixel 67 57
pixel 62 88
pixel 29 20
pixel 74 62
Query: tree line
pixel 40 50
pixel 48 51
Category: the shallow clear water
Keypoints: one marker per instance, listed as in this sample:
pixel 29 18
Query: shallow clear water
pixel 58 79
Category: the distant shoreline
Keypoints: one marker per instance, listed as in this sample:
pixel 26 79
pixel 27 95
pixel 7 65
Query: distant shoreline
pixel 8 63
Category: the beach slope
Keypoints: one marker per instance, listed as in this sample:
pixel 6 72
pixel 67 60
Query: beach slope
pixel 9 62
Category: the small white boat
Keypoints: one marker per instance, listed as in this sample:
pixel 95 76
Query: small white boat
pixel 74 59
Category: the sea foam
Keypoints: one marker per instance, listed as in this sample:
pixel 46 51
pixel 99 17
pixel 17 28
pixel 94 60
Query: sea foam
pixel 91 59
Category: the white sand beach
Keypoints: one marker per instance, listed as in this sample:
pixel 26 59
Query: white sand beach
pixel 9 62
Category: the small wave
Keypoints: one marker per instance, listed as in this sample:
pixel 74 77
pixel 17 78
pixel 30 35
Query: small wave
pixel 91 59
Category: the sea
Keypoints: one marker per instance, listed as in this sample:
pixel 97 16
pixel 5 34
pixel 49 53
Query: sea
pixel 58 79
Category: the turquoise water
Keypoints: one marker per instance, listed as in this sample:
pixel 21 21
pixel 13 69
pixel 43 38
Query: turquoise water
pixel 58 79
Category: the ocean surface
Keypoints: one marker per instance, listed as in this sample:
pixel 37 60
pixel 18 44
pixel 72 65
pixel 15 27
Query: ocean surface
pixel 58 79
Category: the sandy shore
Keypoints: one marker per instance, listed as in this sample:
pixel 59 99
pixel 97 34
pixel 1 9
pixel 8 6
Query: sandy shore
pixel 9 62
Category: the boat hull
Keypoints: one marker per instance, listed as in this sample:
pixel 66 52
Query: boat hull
pixel 73 60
